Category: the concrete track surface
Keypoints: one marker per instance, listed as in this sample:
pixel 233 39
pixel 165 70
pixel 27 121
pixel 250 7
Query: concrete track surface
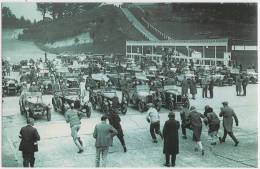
pixel 56 148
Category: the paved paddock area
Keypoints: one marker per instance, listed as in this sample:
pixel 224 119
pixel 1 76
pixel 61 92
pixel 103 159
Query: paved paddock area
pixel 56 147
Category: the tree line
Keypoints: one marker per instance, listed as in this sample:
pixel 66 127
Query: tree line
pixel 9 20
pixel 61 10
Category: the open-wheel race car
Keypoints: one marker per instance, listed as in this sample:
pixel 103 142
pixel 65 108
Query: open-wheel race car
pixel 107 101
pixel 140 96
pixel 69 96
pixel 32 105
pixel 173 97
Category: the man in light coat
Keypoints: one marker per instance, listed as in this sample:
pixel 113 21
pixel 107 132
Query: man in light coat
pixel 153 118
pixel 228 114
pixel 73 117
pixel 103 134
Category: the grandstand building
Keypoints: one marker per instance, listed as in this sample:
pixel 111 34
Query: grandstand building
pixel 201 52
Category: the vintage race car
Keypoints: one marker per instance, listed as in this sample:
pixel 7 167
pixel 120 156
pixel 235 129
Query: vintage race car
pixel 32 105
pixel 108 100
pixel 72 82
pixel 118 80
pixel 173 97
pixel 69 96
pixel 46 86
pixel 10 87
pixel 218 79
pixel 97 81
pixel 252 75
pixel 222 80
pixel 188 74
pixel 140 96
pixel 24 70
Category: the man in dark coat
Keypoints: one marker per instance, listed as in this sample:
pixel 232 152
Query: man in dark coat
pixel 213 122
pixel 193 87
pixel 171 139
pixel 244 84
pixel 184 87
pixel 114 120
pixel 28 144
pixel 238 85
pixel 211 86
pixel 204 85
pixel 196 125
pixel 228 114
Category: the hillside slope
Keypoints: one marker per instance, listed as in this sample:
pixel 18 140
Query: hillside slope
pixel 198 22
pixel 107 25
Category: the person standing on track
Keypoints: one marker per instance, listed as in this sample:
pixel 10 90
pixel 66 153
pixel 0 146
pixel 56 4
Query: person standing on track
pixel 184 87
pixel 238 85
pixel 103 134
pixel 171 139
pixel 228 114
pixel 244 84
pixel 28 144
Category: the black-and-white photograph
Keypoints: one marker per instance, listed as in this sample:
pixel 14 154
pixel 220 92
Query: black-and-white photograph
pixel 128 84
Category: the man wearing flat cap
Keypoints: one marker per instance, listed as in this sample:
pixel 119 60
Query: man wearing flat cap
pixel 196 125
pixel 171 139
pixel 228 114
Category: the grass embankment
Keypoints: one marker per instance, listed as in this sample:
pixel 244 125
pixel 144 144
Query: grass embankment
pixel 107 25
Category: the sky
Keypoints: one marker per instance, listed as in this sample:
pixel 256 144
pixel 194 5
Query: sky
pixel 28 10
